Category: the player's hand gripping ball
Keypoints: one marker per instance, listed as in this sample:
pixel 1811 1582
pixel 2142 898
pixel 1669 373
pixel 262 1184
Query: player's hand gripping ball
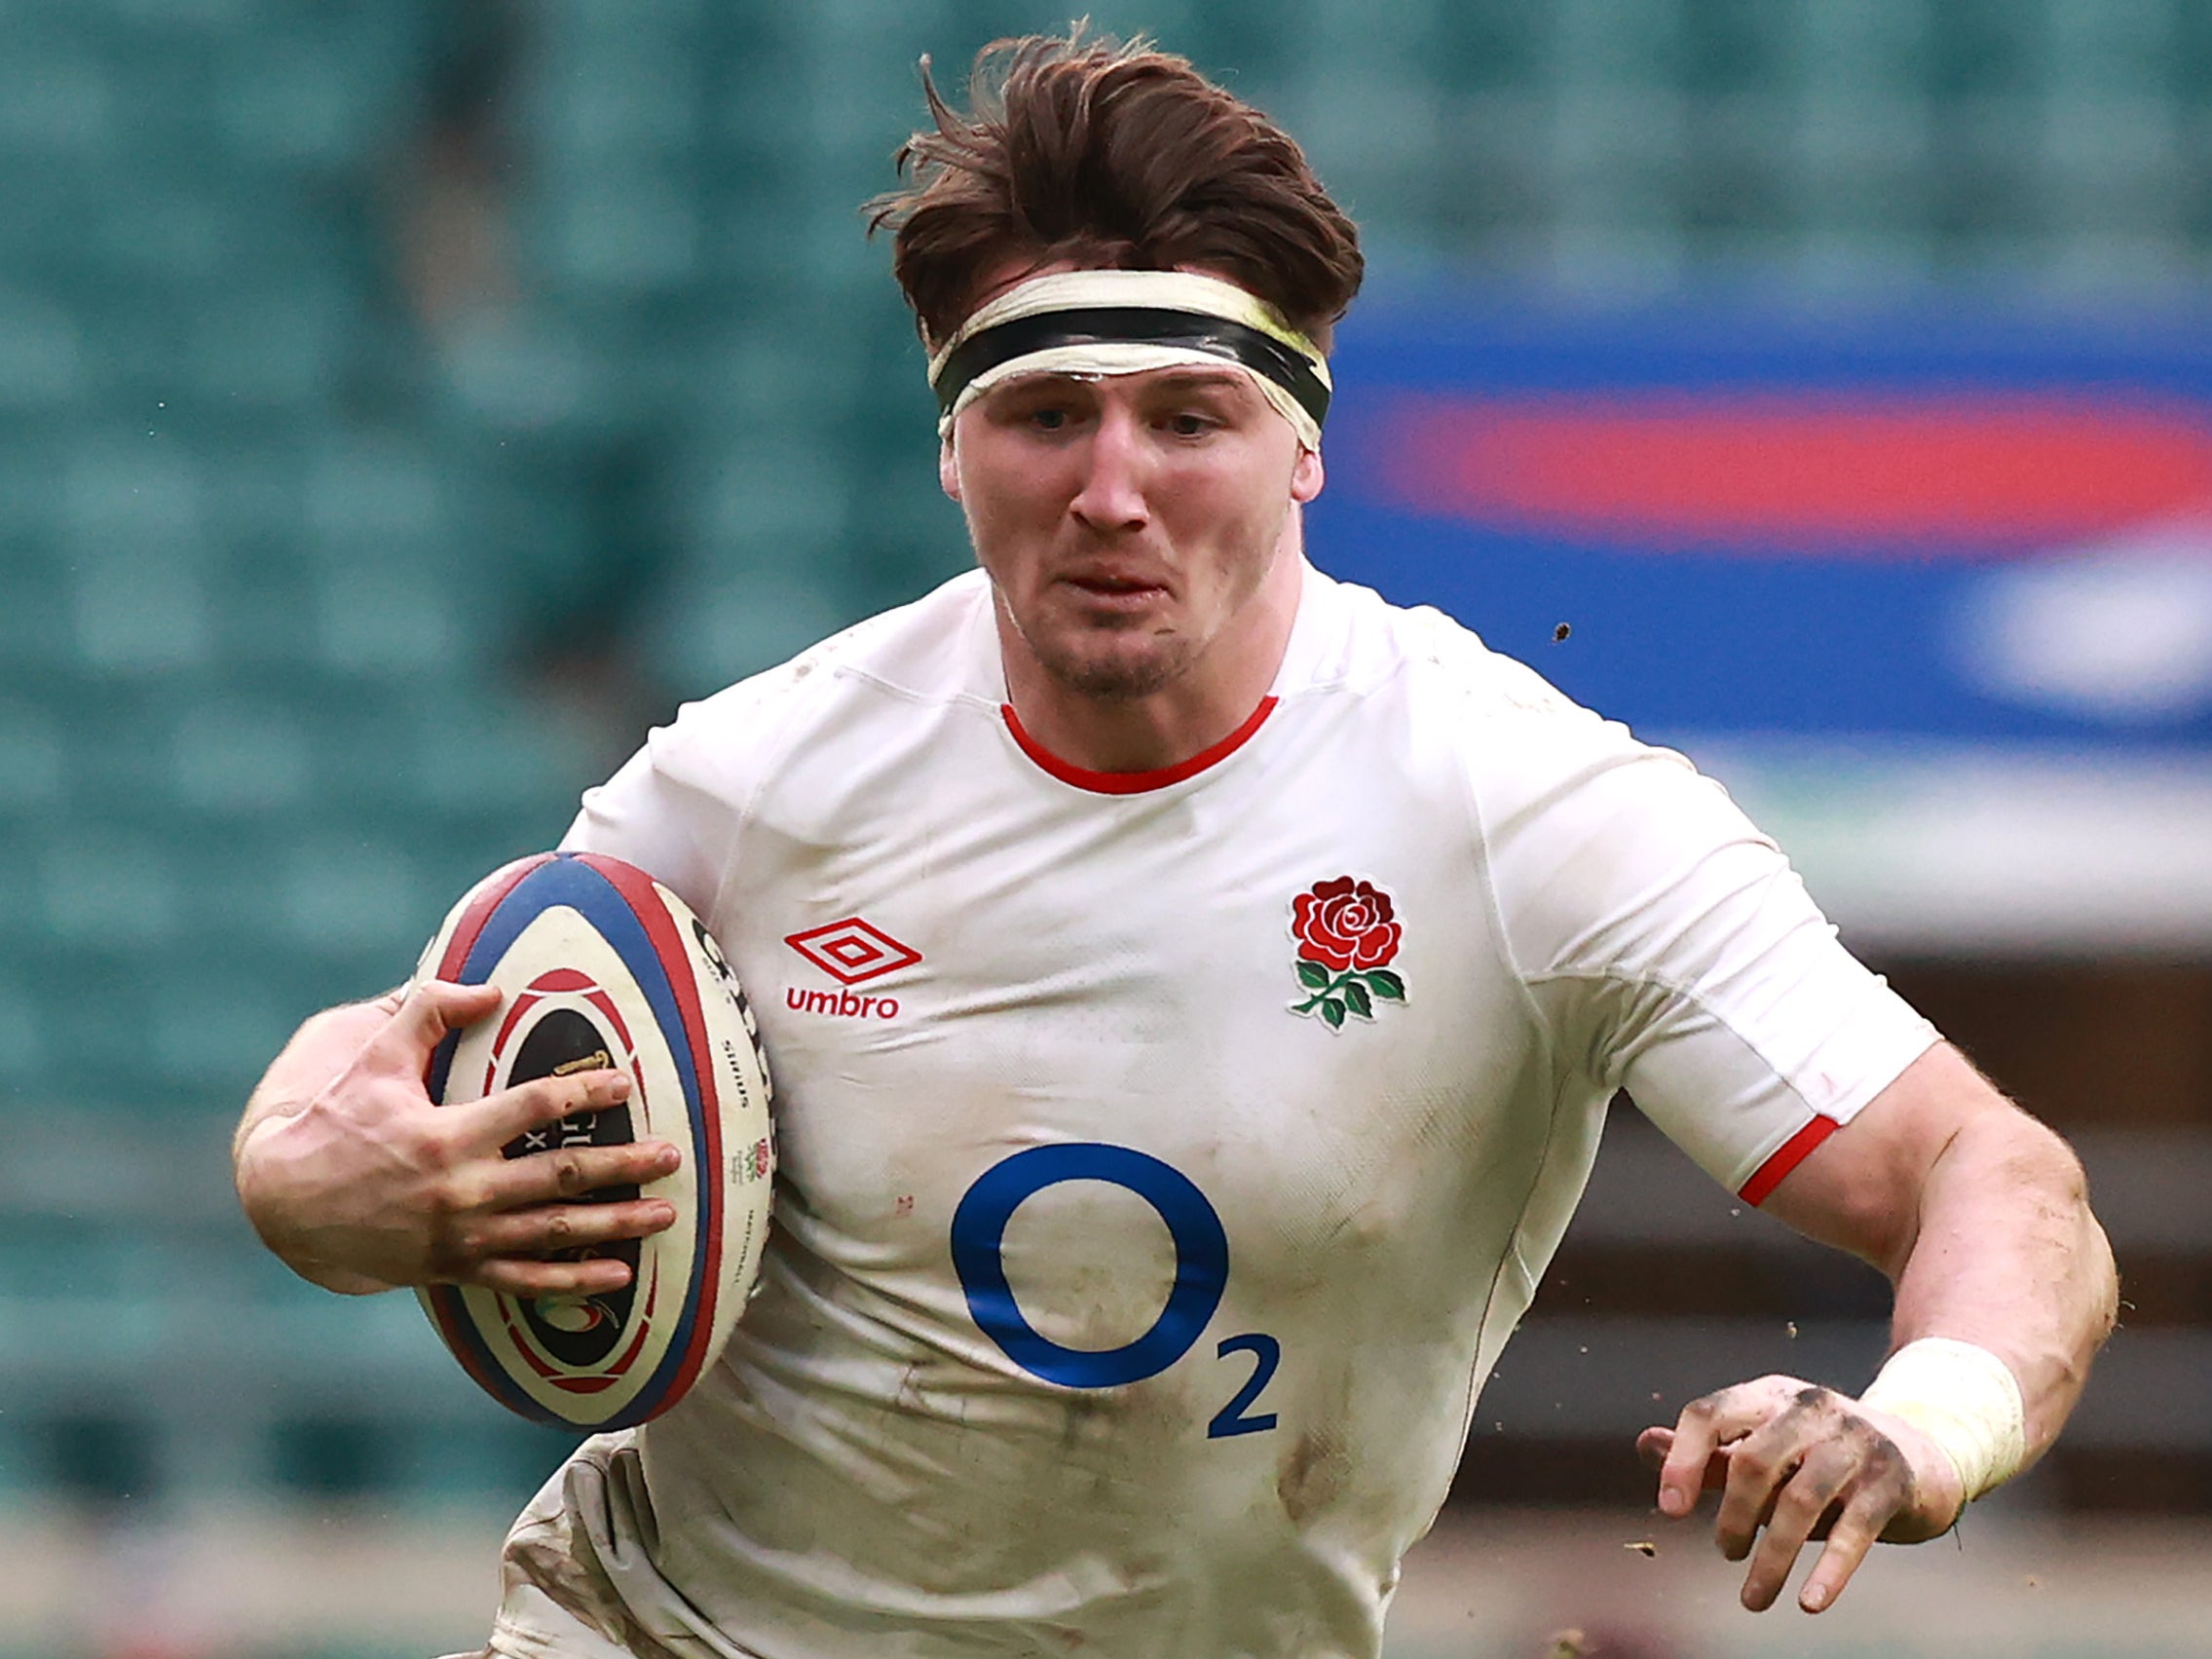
pixel 602 966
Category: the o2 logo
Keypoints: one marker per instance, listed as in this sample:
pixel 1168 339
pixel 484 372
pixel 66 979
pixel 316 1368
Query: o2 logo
pixel 1201 1274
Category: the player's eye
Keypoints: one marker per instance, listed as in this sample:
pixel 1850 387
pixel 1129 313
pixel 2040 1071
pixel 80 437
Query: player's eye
pixel 1049 419
pixel 1188 423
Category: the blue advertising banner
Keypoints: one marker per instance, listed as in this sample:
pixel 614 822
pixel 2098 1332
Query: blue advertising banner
pixel 1931 590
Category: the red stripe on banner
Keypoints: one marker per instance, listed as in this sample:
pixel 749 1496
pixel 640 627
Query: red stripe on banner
pixel 1134 782
pixel 674 950
pixel 1787 1158
pixel 1674 470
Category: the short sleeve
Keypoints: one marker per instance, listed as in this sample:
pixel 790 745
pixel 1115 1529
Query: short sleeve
pixel 674 807
pixel 1674 951
pixel 639 817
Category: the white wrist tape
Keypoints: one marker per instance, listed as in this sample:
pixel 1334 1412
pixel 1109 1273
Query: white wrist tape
pixel 1965 1399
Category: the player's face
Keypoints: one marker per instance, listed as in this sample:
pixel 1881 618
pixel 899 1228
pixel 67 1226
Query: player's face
pixel 1128 521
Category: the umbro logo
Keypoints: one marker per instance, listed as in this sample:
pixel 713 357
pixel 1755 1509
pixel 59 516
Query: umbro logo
pixel 853 951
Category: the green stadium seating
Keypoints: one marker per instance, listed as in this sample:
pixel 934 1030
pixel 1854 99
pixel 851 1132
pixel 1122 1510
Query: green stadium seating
pixel 33 768
pixel 42 358
pixel 23 1049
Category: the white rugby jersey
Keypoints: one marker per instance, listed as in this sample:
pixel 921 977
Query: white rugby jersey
pixel 1166 1157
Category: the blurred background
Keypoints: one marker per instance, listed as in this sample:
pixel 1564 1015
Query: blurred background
pixel 405 403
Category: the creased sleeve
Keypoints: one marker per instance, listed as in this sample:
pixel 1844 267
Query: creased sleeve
pixel 1674 951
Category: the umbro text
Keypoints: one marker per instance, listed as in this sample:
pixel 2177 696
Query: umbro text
pixel 845 1004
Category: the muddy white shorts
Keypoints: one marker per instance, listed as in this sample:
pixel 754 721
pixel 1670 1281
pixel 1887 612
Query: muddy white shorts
pixel 575 1579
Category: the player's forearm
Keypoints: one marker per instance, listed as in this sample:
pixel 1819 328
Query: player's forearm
pixel 322 1047
pixel 2008 1256
pixel 325 1045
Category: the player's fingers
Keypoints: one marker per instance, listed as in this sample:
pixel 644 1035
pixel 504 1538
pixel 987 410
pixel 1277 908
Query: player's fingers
pixel 1705 1426
pixel 527 1277
pixel 1760 1465
pixel 1654 1444
pixel 490 1181
pixel 1754 1484
pixel 1797 1509
pixel 499 1118
pixel 1793 1417
pixel 550 1228
pixel 434 1007
pixel 572 1171
pixel 1864 1513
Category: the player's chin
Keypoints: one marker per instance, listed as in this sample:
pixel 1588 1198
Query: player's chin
pixel 1116 665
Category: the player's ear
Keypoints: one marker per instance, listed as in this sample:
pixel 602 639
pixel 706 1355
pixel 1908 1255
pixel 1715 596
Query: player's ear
pixel 947 468
pixel 1307 475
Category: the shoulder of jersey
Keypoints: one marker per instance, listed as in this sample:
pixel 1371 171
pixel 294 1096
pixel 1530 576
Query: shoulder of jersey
pixel 913 650
pixel 602 966
pixel 1381 641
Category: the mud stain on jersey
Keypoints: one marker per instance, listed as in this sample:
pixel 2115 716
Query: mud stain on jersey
pixel 557 1559
pixel 1086 1415
pixel 1312 1474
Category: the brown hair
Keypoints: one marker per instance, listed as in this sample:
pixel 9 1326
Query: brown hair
pixel 1115 156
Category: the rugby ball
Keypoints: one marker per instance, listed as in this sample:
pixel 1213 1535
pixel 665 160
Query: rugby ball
pixel 601 966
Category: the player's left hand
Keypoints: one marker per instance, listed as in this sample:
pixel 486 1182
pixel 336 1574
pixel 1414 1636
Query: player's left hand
pixel 1795 1463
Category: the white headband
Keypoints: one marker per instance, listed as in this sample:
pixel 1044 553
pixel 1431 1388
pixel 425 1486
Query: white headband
pixel 1095 323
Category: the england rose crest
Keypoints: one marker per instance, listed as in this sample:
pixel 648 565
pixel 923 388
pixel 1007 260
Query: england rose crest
pixel 1347 933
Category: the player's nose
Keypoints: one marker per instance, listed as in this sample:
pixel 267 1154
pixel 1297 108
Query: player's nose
pixel 1111 491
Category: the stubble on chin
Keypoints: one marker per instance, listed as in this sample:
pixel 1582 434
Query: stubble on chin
pixel 1117 676
pixel 1115 682
pixel 1110 671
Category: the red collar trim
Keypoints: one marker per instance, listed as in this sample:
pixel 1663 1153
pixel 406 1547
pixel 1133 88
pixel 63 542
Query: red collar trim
pixel 1134 782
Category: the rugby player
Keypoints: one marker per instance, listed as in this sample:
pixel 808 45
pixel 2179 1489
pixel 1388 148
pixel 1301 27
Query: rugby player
pixel 1248 965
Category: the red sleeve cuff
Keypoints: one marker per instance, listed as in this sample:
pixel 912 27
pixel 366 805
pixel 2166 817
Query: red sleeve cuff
pixel 1787 1158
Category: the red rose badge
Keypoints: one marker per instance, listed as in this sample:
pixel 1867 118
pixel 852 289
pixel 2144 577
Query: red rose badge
pixel 1347 934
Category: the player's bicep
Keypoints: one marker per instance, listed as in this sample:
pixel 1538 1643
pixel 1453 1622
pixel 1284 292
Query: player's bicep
pixel 1755 1035
pixel 1861 1188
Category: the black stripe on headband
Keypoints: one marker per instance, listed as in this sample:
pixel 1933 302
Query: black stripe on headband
pixel 1140 325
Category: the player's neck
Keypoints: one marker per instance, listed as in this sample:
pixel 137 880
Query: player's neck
pixel 1198 709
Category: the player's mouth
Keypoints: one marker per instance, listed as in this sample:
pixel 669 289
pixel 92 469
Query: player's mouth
pixel 1115 590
